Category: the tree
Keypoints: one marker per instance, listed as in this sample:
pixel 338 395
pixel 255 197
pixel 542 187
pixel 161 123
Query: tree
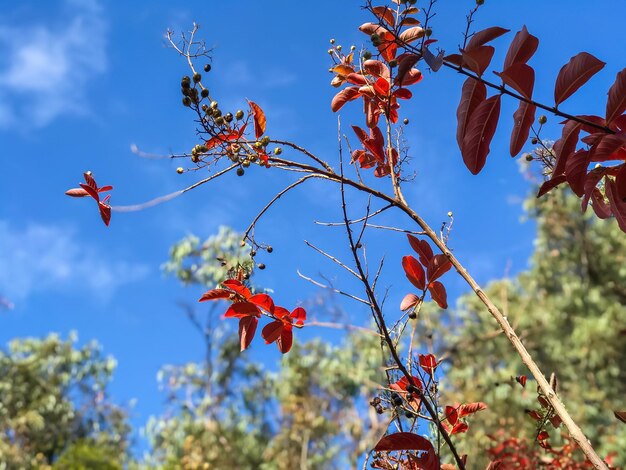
pixel 231 412
pixel 381 79
pixel 53 406
pixel 570 308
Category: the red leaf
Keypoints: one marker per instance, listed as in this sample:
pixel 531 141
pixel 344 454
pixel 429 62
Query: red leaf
pixel 543 435
pixel 534 414
pixel 371 28
pixel 621 415
pixel 285 340
pixel 479 132
pixel 388 46
pixel 523 119
pixel 403 94
pixel 409 301
pixel 381 87
pixel 438 266
pixel 271 332
pixel 414 272
pixel 599 205
pixel 555 420
pixel 341 98
pixel 405 64
pixel 550 185
pixel 77 192
pixel 451 415
pixel 259 119
pixel 93 192
pixel 281 312
pixel 247 329
pixel 607 146
pixel 455 59
pixel 241 310
pixel 520 77
pixel 477 60
pixel 422 248
pixel 617 207
pixel 473 93
pixel 215 294
pixel 616 103
pixel 438 293
pixel 565 146
pixel 521 379
pixel 428 363
pixel 412 34
pixel 485 36
pixel 412 77
pixel 575 74
pixel 522 48
pixel 597 120
pixel 376 68
pixel 402 384
pixel 576 171
pixel 386 14
pixel 238 287
pixel 471 408
pixel 105 212
pixel 403 441
pixel 459 428
pixel 356 79
pixel 298 315
pixel 264 301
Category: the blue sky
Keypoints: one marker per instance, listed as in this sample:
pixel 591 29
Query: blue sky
pixel 83 80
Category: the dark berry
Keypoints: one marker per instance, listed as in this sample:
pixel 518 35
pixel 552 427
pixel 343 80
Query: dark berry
pixel 207 68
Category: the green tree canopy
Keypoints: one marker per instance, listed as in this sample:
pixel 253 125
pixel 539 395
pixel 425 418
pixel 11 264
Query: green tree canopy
pixel 570 311
pixel 52 398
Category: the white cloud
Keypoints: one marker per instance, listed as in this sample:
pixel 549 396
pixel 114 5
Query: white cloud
pixel 40 258
pixel 47 67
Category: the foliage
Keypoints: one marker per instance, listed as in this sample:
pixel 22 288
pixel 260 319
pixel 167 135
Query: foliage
pixel 230 412
pixel 53 400
pixel 570 310
pixel 381 79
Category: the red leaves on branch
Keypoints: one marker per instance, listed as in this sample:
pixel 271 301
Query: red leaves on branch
pixel 249 307
pixel 401 387
pixel 575 74
pixel 90 188
pixel 453 414
pixel 435 265
pixel 521 379
pixel 280 330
